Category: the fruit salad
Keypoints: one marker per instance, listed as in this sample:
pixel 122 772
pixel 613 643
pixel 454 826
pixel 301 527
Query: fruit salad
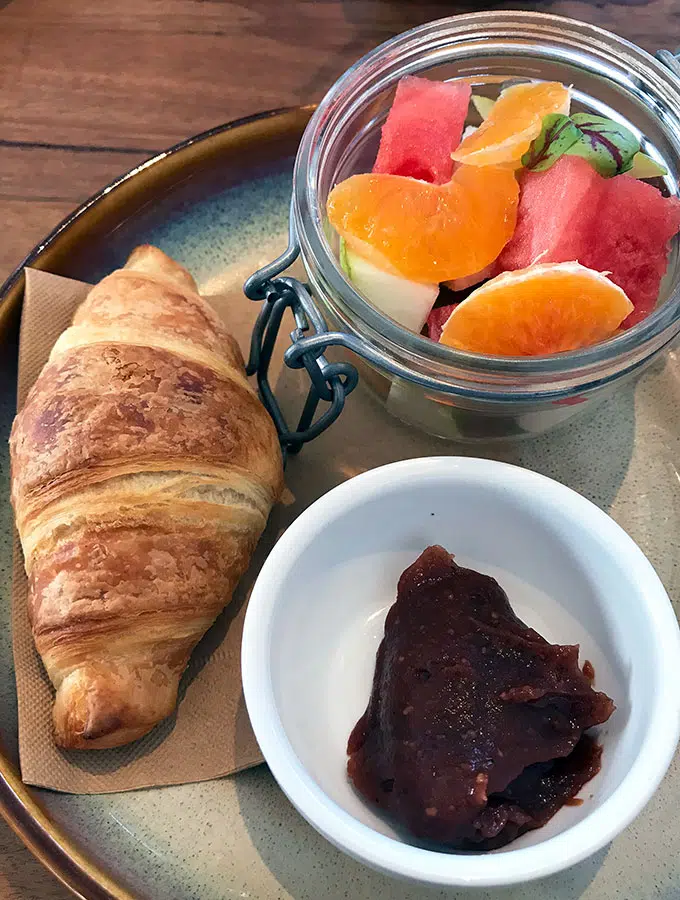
pixel 533 233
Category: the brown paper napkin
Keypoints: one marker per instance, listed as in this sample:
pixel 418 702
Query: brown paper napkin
pixel 209 735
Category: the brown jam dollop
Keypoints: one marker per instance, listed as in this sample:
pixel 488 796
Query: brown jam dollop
pixel 474 732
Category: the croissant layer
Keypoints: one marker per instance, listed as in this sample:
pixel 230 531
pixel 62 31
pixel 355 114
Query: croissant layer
pixel 99 408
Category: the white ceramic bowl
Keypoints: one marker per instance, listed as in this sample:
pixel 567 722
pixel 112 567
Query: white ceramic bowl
pixel 315 620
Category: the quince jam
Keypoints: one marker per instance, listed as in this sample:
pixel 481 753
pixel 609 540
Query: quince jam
pixel 475 729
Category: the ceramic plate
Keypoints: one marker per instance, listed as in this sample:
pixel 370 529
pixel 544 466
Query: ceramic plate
pixel 219 204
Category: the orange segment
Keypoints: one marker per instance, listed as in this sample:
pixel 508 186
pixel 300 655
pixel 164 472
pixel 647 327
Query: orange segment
pixel 427 232
pixel 537 311
pixel 514 121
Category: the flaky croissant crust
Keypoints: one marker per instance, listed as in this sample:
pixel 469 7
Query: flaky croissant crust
pixel 144 468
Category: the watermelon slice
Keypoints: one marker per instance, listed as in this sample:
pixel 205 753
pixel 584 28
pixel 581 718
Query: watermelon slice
pixel 423 128
pixel 634 224
pixel 617 225
pixel 555 215
pixel 438 317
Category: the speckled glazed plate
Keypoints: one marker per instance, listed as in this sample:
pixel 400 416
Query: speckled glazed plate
pixel 219 204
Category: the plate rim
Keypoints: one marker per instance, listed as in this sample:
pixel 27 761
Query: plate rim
pixel 19 807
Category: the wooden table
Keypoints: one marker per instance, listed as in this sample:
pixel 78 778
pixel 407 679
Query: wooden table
pixel 89 89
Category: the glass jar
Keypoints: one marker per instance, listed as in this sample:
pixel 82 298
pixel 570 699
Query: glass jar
pixel 446 392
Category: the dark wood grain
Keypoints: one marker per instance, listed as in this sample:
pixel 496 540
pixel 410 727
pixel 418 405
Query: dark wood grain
pixel 89 89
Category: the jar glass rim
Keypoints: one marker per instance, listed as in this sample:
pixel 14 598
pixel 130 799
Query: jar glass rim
pixel 523 32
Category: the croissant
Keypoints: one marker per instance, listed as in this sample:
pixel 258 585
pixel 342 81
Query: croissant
pixel 143 468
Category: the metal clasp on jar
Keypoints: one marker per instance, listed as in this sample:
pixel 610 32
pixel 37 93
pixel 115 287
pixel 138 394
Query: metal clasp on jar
pixel 329 382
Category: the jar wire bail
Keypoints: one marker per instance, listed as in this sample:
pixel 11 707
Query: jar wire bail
pixel 670 60
pixel 331 382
